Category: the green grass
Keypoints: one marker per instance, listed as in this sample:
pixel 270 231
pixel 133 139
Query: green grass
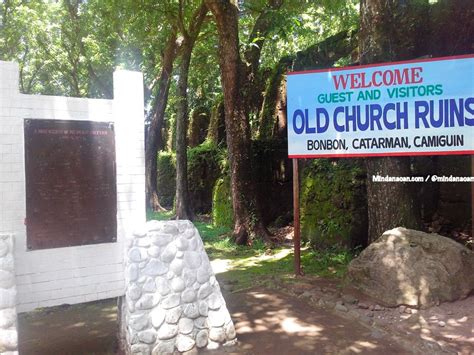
pixel 250 265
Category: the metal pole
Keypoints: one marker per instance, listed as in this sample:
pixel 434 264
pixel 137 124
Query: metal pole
pixel 472 197
pixel 296 216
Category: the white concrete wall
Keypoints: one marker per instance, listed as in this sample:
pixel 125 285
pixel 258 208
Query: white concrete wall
pixel 83 273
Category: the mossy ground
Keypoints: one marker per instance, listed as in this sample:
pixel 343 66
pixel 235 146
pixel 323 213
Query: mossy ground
pixel 256 264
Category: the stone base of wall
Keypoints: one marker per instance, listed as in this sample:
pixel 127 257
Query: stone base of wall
pixel 8 317
pixel 173 301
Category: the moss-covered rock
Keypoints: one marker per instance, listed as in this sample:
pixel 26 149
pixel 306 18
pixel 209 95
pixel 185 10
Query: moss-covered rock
pixel 166 178
pixel 333 204
pixel 222 213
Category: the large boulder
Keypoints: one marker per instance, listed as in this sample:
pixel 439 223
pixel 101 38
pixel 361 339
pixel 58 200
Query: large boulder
pixel 408 267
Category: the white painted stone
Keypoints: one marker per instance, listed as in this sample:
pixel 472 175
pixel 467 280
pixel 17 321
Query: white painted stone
pixel 189 277
pixel 147 336
pixel 191 310
pixel 7 318
pixel 217 335
pixel 170 229
pixel 3 248
pixel 162 285
pixel 173 315
pixel 161 239
pixel 202 337
pixel 192 259
pixel 185 325
pixel 155 268
pixel 216 318
pixel 214 301
pixel 164 348
pixel 6 263
pixel 189 233
pixel 7 279
pixel 184 343
pixel 203 274
pixel 154 252
pixel 147 301
pixel 182 243
pixel 143 242
pixel 139 322
pixel 152 226
pixel 9 339
pixel 196 286
pixel 203 308
pixel 7 298
pixel 192 245
pixel 131 272
pixel 169 253
pixel 230 331
pixel 140 232
pixel 204 291
pixel 171 301
pixel 188 296
pixel 170 275
pixel 180 255
pixel 201 323
pixel 177 284
pixel 212 345
pixel 157 317
pixel 177 266
pixel 140 349
pixel 134 292
pixel 167 331
pixel 149 285
pixel 135 255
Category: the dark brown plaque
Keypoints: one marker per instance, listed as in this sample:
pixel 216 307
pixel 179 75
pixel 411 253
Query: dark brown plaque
pixel 71 194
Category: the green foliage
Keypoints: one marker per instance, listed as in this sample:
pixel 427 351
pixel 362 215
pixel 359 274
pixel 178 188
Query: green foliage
pixel 333 204
pixel 222 212
pixel 166 178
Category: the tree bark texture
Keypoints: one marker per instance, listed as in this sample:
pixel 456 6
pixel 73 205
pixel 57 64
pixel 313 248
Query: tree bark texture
pixel 154 131
pixel 386 36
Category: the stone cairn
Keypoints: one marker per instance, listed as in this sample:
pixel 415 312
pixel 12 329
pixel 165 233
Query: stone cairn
pixel 8 319
pixel 173 302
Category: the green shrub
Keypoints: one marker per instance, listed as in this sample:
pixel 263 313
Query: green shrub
pixel 166 178
pixel 333 205
pixel 222 212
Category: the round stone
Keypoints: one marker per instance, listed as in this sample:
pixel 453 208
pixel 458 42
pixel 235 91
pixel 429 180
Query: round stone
pixel 179 254
pixel 189 277
pixel 140 349
pixel 204 291
pixel 203 274
pixel 196 286
pixel 170 275
pixel 161 239
pixel 157 317
pixel 147 301
pixel 7 279
pixel 177 266
pixel 201 323
pixel 154 252
pixel 184 343
pixel 230 331
pixel 152 226
pixel 189 233
pixel 169 253
pixel 182 243
pixel 177 284
pixel 8 339
pixel 192 259
pixel 143 242
pixel 202 337
pixel 170 301
pixel 7 318
pixel 192 244
pixel 149 285
pixel 140 232
pixel 164 348
pixel 134 292
pixel 173 315
pixel 188 296
pixel 147 336
pixel 162 285
pixel 155 268
pixel 3 248
pixel 214 301
pixel 217 335
pixel 170 228
pixel 167 331
pixel 216 318
pixel 132 272
pixel 185 325
pixel 191 310
pixel 203 308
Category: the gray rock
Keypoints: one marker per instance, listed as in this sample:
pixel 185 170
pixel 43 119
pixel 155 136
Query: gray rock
pixel 201 323
pixel 7 318
pixel 169 253
pixel 184 343
pixel 170 229
pixel 149 285
pixel 348 299
pixel 132 272
pixel 4 249
pixel 7 298
pixel 176 266
pixel 203 308
pixel 147 336
pixel 185 325
pixel 217 335
pixel 160 239
pixel 139 322
pixel 147 301
pixel 204 291
pixel 173 315
pixel 188 296
pixel 413 268
pixel 155 268
pixel 363 306
pixel 134 292
pixel 191 310
pixel 189 277
pixel 177 284
pixel 167 331
pixel 171 301
pixel 7 279
pixel 203 274
pixel 157 317
pixel 214 301
pixel 141 349
pixel 202 337
pixel 164 348
pixel 192 259
pixel 340 307
pixel 216 318
pixel 162 286
pixel 154 252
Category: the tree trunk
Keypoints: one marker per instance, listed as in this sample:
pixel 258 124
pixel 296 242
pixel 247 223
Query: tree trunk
pixel 246 216
pixel 154 131
pixel 183 203
pixel 386 34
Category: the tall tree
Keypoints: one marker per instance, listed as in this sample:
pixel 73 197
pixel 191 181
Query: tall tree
pixel 190 34
pixel 387 34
